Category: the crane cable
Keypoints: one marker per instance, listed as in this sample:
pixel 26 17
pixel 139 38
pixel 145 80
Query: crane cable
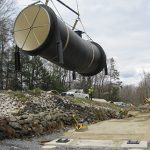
pixel 46 2
pixel 60 17
pixel 57 11
pixel 78 19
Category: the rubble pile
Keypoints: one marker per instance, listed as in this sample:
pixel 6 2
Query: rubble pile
pixel 44 113
pixel 144 108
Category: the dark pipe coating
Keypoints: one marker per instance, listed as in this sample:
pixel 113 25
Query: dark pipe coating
pixel 85 57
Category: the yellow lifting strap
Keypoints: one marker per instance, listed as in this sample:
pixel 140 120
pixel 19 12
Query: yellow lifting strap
pixel 46 2
pixel 74 26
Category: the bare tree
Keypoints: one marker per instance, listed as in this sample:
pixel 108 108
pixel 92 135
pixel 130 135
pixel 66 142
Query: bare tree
pixel 143 90
pixel 6 12
pixel 128 94
pixel 136 94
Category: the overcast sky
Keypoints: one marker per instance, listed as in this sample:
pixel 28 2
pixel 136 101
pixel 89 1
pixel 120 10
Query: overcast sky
pixel 121 27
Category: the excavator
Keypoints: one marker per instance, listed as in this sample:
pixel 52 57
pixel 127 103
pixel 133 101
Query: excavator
pixel 147 100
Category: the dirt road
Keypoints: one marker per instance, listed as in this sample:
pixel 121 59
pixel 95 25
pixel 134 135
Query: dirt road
pixel 135 128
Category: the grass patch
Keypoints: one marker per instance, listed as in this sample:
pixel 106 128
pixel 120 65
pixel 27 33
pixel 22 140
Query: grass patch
pixel 22 95
pixel 19 95
pixel 80 101
pixel 35 92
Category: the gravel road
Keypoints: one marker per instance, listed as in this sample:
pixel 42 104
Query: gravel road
pixel 136 127
pixel 28 144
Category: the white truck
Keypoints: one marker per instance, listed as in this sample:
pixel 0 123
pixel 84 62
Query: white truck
pixel 76 93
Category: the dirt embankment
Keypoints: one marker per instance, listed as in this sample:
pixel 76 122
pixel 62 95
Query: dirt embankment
pixel 136 127
pixel 35 113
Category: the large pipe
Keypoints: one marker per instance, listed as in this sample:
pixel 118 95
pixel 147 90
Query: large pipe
pixel 38 31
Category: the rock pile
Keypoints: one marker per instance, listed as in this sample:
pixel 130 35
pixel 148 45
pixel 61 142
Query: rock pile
pixel 45 113
pixel 144 108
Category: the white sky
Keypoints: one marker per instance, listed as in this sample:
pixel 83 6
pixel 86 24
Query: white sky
pixel 121 27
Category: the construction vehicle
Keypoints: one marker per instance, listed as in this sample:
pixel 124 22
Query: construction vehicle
pixel 79 126
pixel 147 100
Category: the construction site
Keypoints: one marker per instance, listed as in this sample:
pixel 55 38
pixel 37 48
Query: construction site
pixel 62 90
pixel 50 121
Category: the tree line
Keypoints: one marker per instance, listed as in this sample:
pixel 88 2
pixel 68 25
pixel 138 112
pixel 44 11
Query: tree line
pixel 38 73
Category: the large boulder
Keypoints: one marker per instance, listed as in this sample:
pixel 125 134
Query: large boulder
pixel 6 131
pixel 15 125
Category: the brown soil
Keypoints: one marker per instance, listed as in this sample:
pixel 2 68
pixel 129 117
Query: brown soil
pixel 135 128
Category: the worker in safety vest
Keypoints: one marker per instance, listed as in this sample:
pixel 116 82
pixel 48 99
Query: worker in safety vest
pixel 90 91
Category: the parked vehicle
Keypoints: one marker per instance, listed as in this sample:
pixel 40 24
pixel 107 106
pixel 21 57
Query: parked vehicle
pixel 121 104
pixel 75 93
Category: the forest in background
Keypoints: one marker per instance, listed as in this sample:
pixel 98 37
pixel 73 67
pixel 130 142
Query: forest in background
pixel 39 73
